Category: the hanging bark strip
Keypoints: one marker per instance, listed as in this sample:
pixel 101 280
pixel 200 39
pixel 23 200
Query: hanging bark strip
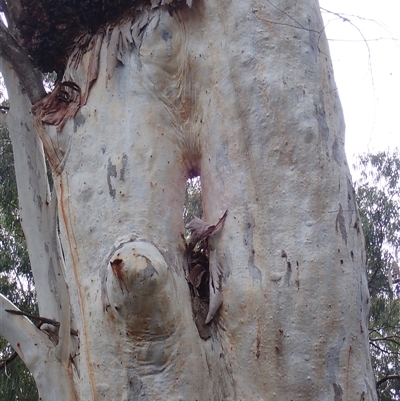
pixel 203 273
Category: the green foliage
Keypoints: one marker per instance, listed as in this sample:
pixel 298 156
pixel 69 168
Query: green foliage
pixel 16 281
pixel 16 383
pixel 378 193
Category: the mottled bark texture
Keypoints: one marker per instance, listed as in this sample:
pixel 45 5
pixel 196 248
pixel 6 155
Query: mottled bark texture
pixel 241 93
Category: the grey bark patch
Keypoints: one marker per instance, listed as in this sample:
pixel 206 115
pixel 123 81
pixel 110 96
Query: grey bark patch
pixel 29 162
pixel 156 354
pixel 124 162
pixel 297 281
pixel 313 39
pixel 104 295
pixel 254 271
pixel 226 262
pixel 336 152
pixel 321 118
pixel 223 165
pixel 341 224
pixel 171 262
pixel 111 172
pixel 167 37
pixel 86 194
pixel 351 203
pixel 288 274
pixel 51 278
pixel 338 392
pixel 135 388
pixel 150 270
pixel 39 202
pixel 309 137
pixel 369 389
pixel 332 359
pixel 79 120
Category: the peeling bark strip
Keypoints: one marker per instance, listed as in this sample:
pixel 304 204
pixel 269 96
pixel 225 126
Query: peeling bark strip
pixel 55 109
pixel 203 273
pixel 200 230
pixel 60 105
pixel 89 46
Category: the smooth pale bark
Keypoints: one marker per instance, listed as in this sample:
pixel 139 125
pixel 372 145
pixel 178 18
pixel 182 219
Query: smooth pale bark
pixel 243 94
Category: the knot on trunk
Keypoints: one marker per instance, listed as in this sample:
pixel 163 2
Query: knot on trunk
pixel 140 291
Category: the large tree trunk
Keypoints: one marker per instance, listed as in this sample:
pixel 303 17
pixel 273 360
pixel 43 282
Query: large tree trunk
pixel 241 93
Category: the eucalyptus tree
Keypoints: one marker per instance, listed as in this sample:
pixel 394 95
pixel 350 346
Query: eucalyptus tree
pixel 268 300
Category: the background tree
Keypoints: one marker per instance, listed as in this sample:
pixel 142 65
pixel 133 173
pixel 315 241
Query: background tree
pixel 16 281
pixel 192 207
pixel 240 94
pixel 378 193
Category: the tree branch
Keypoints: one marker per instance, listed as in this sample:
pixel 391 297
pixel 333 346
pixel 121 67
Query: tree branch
pixel 21 333
pixel 41 319
pixel 30 79
pixel 36 350
pixel 386 378
pixel 383 351
pixel 391 339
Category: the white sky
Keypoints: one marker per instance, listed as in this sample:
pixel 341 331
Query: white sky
pixel 367 76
